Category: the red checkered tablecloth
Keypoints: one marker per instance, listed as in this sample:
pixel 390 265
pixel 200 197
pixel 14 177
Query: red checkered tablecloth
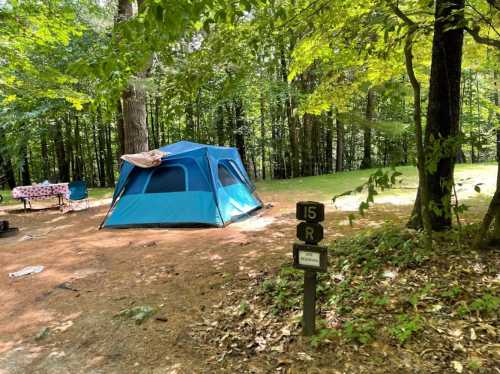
pixel 38 192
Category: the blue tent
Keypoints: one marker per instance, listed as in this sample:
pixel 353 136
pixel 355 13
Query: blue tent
pixel 196 184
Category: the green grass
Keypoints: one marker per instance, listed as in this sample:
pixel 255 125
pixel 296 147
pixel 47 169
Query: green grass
pixel 325 186
pixel 329 185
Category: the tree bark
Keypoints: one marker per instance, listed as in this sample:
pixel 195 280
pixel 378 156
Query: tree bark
pixel 339 159
pixel 45 156
pixel 62 164
pixel 135 131
pixel 110 175
pixel 262 137
pixel 6 163
pixel 120 128
pixel 366 163
pixel 25 166
pixel 444 108
pixel 221 138
pixel 79 160
pixel 496 99
pixel 189 134
pixel 240 130
pixel 329 143
pixel 291 118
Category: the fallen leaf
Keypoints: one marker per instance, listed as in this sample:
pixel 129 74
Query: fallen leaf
pixel 457 366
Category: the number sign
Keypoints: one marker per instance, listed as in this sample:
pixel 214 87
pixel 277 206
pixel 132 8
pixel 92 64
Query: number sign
pixel 310 211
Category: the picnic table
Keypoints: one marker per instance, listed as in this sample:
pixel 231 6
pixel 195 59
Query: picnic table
pixel 41 192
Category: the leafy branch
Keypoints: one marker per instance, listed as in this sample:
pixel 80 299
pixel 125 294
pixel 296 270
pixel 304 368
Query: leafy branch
pixel 377 182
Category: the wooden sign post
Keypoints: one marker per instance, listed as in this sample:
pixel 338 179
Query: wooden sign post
pixel 310 257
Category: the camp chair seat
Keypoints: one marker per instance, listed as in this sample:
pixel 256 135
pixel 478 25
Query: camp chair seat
pixel 78 192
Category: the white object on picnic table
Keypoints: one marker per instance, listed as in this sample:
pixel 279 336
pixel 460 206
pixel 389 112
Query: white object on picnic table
pixel 26 271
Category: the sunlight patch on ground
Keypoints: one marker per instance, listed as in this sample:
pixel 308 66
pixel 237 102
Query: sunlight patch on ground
pixel 255 223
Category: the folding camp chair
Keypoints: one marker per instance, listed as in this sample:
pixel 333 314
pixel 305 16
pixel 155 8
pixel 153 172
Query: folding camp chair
pixel 78 192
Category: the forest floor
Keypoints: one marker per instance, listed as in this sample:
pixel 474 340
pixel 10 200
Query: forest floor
pixel 209 300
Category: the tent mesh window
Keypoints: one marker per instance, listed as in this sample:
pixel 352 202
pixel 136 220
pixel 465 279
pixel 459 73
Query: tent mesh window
pixel 225 176
pixel 167 179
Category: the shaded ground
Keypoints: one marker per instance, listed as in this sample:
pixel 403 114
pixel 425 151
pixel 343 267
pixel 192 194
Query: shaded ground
pixel 184 274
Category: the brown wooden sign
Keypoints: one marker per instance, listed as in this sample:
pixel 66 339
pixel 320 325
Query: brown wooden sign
pixel 310 211
pixel 310 232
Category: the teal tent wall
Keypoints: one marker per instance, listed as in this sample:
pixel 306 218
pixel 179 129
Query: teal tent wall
pixel 195 184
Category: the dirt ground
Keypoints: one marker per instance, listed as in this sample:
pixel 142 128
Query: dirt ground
pixel 64 319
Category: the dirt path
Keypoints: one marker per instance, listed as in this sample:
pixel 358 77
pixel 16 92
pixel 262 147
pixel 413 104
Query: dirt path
pixel 92 275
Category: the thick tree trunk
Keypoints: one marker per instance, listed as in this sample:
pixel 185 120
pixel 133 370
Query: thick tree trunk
pixel 135 131
pixel 444 107
pixel 366 163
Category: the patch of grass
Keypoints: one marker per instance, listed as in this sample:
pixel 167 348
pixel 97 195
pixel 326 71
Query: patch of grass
pixel 486 305
pixel 101 193
pixel 405 327
pixel 324 187
pixel 372 250
pixel 359 330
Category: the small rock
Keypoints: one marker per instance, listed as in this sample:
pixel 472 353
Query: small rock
pixel 42 334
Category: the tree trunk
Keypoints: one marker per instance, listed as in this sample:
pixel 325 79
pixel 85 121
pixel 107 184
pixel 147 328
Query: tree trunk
pixel 443 108
pixel 239 132
pixel 79 160
pixel 291 118
pixel 307 124
pixel 339 159
pixel 61 153
pixel 6 163
pixel 496 229
pixel 45 156
pixel 25 166
pixel 219 120
pixel 110 174
pixel 68 138
pixel 366 163
pixel 135 131
pixel 189 134
pixel 120 129
pixel 329 143
pixel 262 138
